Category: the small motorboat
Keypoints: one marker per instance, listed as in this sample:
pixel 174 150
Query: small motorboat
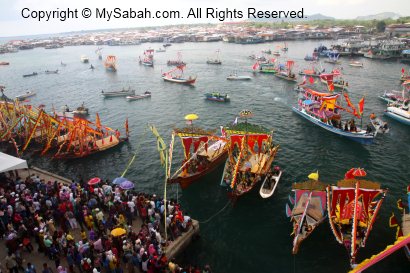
pixel 4 63
pixel 160 50
pixel 217 97
pixel 270 183
pixel 84 59
pixel 236 77
pixel 379 125
pixel 215 61
pixel 30 75
pixel 167 45
pixel 81 110
pixel 146 94
pixel 121 93
pixel 26 95
pixel 276 53
pixel 51 71
pixel 356 64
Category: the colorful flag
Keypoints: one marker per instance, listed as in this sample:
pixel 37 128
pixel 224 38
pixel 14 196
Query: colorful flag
pixel 361 106
pixel 255 66
pixel 402 70
pixel 311 80
pixel 97 121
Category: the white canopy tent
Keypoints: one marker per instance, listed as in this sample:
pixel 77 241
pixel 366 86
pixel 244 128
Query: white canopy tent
pixel 9 163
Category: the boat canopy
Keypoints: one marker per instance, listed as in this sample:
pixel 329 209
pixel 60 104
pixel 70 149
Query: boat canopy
pixel 9 163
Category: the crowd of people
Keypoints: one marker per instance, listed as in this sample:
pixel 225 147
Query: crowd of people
pixel 73 225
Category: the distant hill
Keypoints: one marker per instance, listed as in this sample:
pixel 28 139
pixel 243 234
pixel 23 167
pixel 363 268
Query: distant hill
pixel 312 17
pixel 379 16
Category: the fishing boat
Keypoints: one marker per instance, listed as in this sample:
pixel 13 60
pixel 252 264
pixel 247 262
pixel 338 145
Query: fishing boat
pixel 176 76
pixel 176 62
pixel 309 208
pixel 84 59
pixel 51 71
pixel 399 112
pixel 148 58
pixel 356 64
pixel 323 110
pixel 236 77
pixel 122 93
pixel 30 75
pixel 110 63
pixel 379 125
pixel 217 97
pixel 4 63
pixel 146 94
pixel 353 206
pixel 203 152
pixel 250 156
pixel 25 95
pixel 215 60
pixel 159 50
pixel 270 183
pixel 286 72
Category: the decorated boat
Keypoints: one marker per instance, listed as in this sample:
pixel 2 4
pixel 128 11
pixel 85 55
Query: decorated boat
pixel 270 183
pixel 313 72
pixel 110 63
pixel 285 72
pixel 333 57
pixel 148 58
pixel 215 60
pixel 356 64
pixel 251 154
pixel 25 95
pixel 84 59
pixel 217 97
pixel 353 206
pixel 323 110
pixel 393 96
pixel 309 208
pixel 122 93
pixel 30 75
pixel 268 67
pixel 203 152
pixel 404 75
pixel 176 76
pixel 334 81
pixel 146 94
pixel 236 77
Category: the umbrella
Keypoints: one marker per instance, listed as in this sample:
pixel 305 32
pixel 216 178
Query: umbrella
pixel 94 181
pixel 191 117
pixel 359 172
pixel 126 185
pixel 119 180
pixel 118 232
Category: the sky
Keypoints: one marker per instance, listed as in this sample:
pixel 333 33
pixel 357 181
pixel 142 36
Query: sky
pixel 13 24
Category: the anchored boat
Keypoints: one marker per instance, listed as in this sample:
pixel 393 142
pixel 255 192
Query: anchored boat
pixel 148 58
pixel 30 75
pixel 146 94
pixel 353 206
pixel 217 97
pixel 251 154
pixel 215 60
pixel 203 152
pixel 176 76
pixel 309 208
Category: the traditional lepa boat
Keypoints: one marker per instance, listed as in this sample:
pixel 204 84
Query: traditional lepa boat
pixel 323 110
pixel 286 72
pixel 111 63
pixel 333 57
pixel 148 58
pixel 309 208
pixel 353 206
pixel 251 154
pixel 176 76
pixel 334 80
pixel 203 152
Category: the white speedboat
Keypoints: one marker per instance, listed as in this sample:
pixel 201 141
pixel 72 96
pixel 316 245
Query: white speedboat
pixel 270 183
pixel 84 59
pixel 121 93
pixel 146 94
pixel 26 95
pixel 236 77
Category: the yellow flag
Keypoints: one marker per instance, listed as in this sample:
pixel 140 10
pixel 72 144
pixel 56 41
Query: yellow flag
pixel 314 176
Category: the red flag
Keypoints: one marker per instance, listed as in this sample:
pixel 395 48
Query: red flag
pixel 311 80
pixel 402 70
pixel 97 121
pixel 331 86
pixel 361 106
pixel 255 66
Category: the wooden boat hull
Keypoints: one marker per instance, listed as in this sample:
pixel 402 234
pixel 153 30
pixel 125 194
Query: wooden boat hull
pixel 358 137
pixel 285 77
pixel 185 182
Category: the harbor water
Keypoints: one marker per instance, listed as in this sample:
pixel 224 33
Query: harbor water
pixel 254 234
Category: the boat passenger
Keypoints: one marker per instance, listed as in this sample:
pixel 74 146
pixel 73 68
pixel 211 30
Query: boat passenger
pixel 368 129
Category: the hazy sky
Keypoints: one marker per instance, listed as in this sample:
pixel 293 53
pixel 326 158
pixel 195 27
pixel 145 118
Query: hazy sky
pixel 12 23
